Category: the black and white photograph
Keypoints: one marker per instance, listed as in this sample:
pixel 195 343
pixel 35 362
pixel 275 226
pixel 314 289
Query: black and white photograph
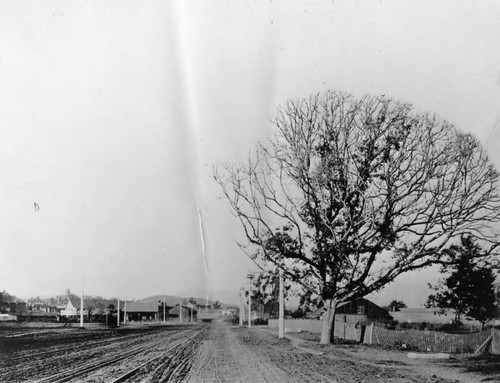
pixel 250 191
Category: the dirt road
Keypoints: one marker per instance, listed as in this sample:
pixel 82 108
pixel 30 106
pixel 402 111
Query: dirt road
pixel 217 352
pixel 242 355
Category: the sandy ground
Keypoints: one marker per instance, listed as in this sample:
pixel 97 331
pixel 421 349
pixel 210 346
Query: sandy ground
pixel 233 354
pixel 464 368
pixel 224 353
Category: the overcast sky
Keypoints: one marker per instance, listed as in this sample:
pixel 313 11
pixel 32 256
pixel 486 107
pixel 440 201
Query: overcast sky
pixel 113 113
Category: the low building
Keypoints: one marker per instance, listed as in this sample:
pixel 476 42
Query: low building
pixel 146 311
pixel 358 310
pixel 73 307
pixel 99 307
pixel 91 307
pixel 188 312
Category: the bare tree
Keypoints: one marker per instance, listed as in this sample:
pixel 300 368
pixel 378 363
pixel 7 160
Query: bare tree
pixel 350 193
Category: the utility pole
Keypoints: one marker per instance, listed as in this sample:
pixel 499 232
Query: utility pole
pixel 180 311
pixel 281 320
pixel 242 309
pixel 81 307
pixel 81 311
pixel 118 313
pixel 125 312
pixel 249 276
pixel 164 304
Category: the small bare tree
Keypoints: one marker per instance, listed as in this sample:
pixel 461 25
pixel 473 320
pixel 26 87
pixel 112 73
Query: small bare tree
pixel 350 193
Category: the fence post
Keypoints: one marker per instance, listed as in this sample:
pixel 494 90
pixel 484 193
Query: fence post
pixel 495 346
pixel 493 343
pixel 344 323
pixel 370 333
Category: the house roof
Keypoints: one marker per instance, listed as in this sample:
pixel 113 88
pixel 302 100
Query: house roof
pixel 77 303
pixel 318 312
pixel 93 303
pixel 143 307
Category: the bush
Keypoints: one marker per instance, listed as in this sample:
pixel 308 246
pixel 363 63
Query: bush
pixel 260 322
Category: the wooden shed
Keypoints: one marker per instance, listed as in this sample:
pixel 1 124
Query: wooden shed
pixel 146 311
pixel 358 310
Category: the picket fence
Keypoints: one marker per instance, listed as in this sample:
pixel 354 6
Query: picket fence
pixel 344 329
pixel 411 340
pixel 426 341
pixel 495 341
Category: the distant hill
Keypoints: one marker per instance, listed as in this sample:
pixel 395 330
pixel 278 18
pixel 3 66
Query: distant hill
pixel 173 300
pixel 224 297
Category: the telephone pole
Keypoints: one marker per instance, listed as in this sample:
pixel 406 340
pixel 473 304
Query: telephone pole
pixel 242 308
pixel 180 311
pixel 250 277
pixel 125 312
pixel 281 320
pixel 81 304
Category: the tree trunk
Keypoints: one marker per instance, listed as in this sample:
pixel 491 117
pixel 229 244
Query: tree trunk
pixel 328 321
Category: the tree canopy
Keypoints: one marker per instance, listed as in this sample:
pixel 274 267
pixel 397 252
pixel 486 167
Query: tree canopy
pixel 396 305
pixel 265 293
pixel 349 193
pixel 6 297
pixel 469 287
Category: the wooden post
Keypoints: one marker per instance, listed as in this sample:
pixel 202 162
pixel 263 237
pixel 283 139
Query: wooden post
pixel 81 307
pixel 345 324
pixel 81 310
pixel 180 311
pixel 281 321
pixel 249 276
pixel 242 308
pixel 125 312
pixel 118 313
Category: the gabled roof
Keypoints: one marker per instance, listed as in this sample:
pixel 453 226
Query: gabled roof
pixel 77 304
pixel 318 312
pixel 93 303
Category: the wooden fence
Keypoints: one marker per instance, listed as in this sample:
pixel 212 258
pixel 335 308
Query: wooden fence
pixel 495 341
pixel 297 325
pixel 426 341
pixel 344 329
pixel 411 340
